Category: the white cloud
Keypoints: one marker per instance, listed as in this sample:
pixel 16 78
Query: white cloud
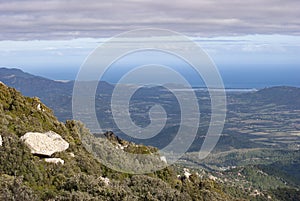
pixel 59 19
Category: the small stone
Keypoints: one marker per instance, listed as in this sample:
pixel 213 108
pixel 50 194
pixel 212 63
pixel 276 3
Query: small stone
pixel 55 160
pixel 164 159
pixel 105 180
pixel 212 177
pixel 186 173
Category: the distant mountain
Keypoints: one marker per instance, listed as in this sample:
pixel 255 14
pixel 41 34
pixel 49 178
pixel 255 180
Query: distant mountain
pixel 280 95
pixel 31 85
pixel 55 94
pixel 58 96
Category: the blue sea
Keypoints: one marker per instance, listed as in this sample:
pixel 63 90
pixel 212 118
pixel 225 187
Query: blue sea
pixel 232 77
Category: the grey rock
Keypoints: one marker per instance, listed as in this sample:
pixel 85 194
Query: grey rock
pixel 45 143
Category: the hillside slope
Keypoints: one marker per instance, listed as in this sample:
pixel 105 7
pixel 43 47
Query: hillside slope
pixel 24 176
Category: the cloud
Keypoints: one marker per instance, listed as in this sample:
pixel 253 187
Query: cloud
pixel 66 19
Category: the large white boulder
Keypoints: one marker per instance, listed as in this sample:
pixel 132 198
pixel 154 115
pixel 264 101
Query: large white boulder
pixel 45 143
pixel 0 141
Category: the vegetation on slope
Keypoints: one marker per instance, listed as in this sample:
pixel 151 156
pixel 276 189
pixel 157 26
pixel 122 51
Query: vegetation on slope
pixel 24 176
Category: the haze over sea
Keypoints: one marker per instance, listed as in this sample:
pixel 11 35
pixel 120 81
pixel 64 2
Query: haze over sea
pixel 249 61
pixel 232 78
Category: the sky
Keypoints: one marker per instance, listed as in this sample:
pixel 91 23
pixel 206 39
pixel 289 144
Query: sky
pixel 52 38
pixel 65 19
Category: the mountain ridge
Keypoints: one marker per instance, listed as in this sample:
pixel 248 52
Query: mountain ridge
pixel 58 95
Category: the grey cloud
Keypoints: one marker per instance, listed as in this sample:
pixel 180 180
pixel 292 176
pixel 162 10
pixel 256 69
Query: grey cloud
pixel 58 19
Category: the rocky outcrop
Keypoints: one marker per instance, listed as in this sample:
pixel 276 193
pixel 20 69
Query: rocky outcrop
pixel 45 143
pixel 55 160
